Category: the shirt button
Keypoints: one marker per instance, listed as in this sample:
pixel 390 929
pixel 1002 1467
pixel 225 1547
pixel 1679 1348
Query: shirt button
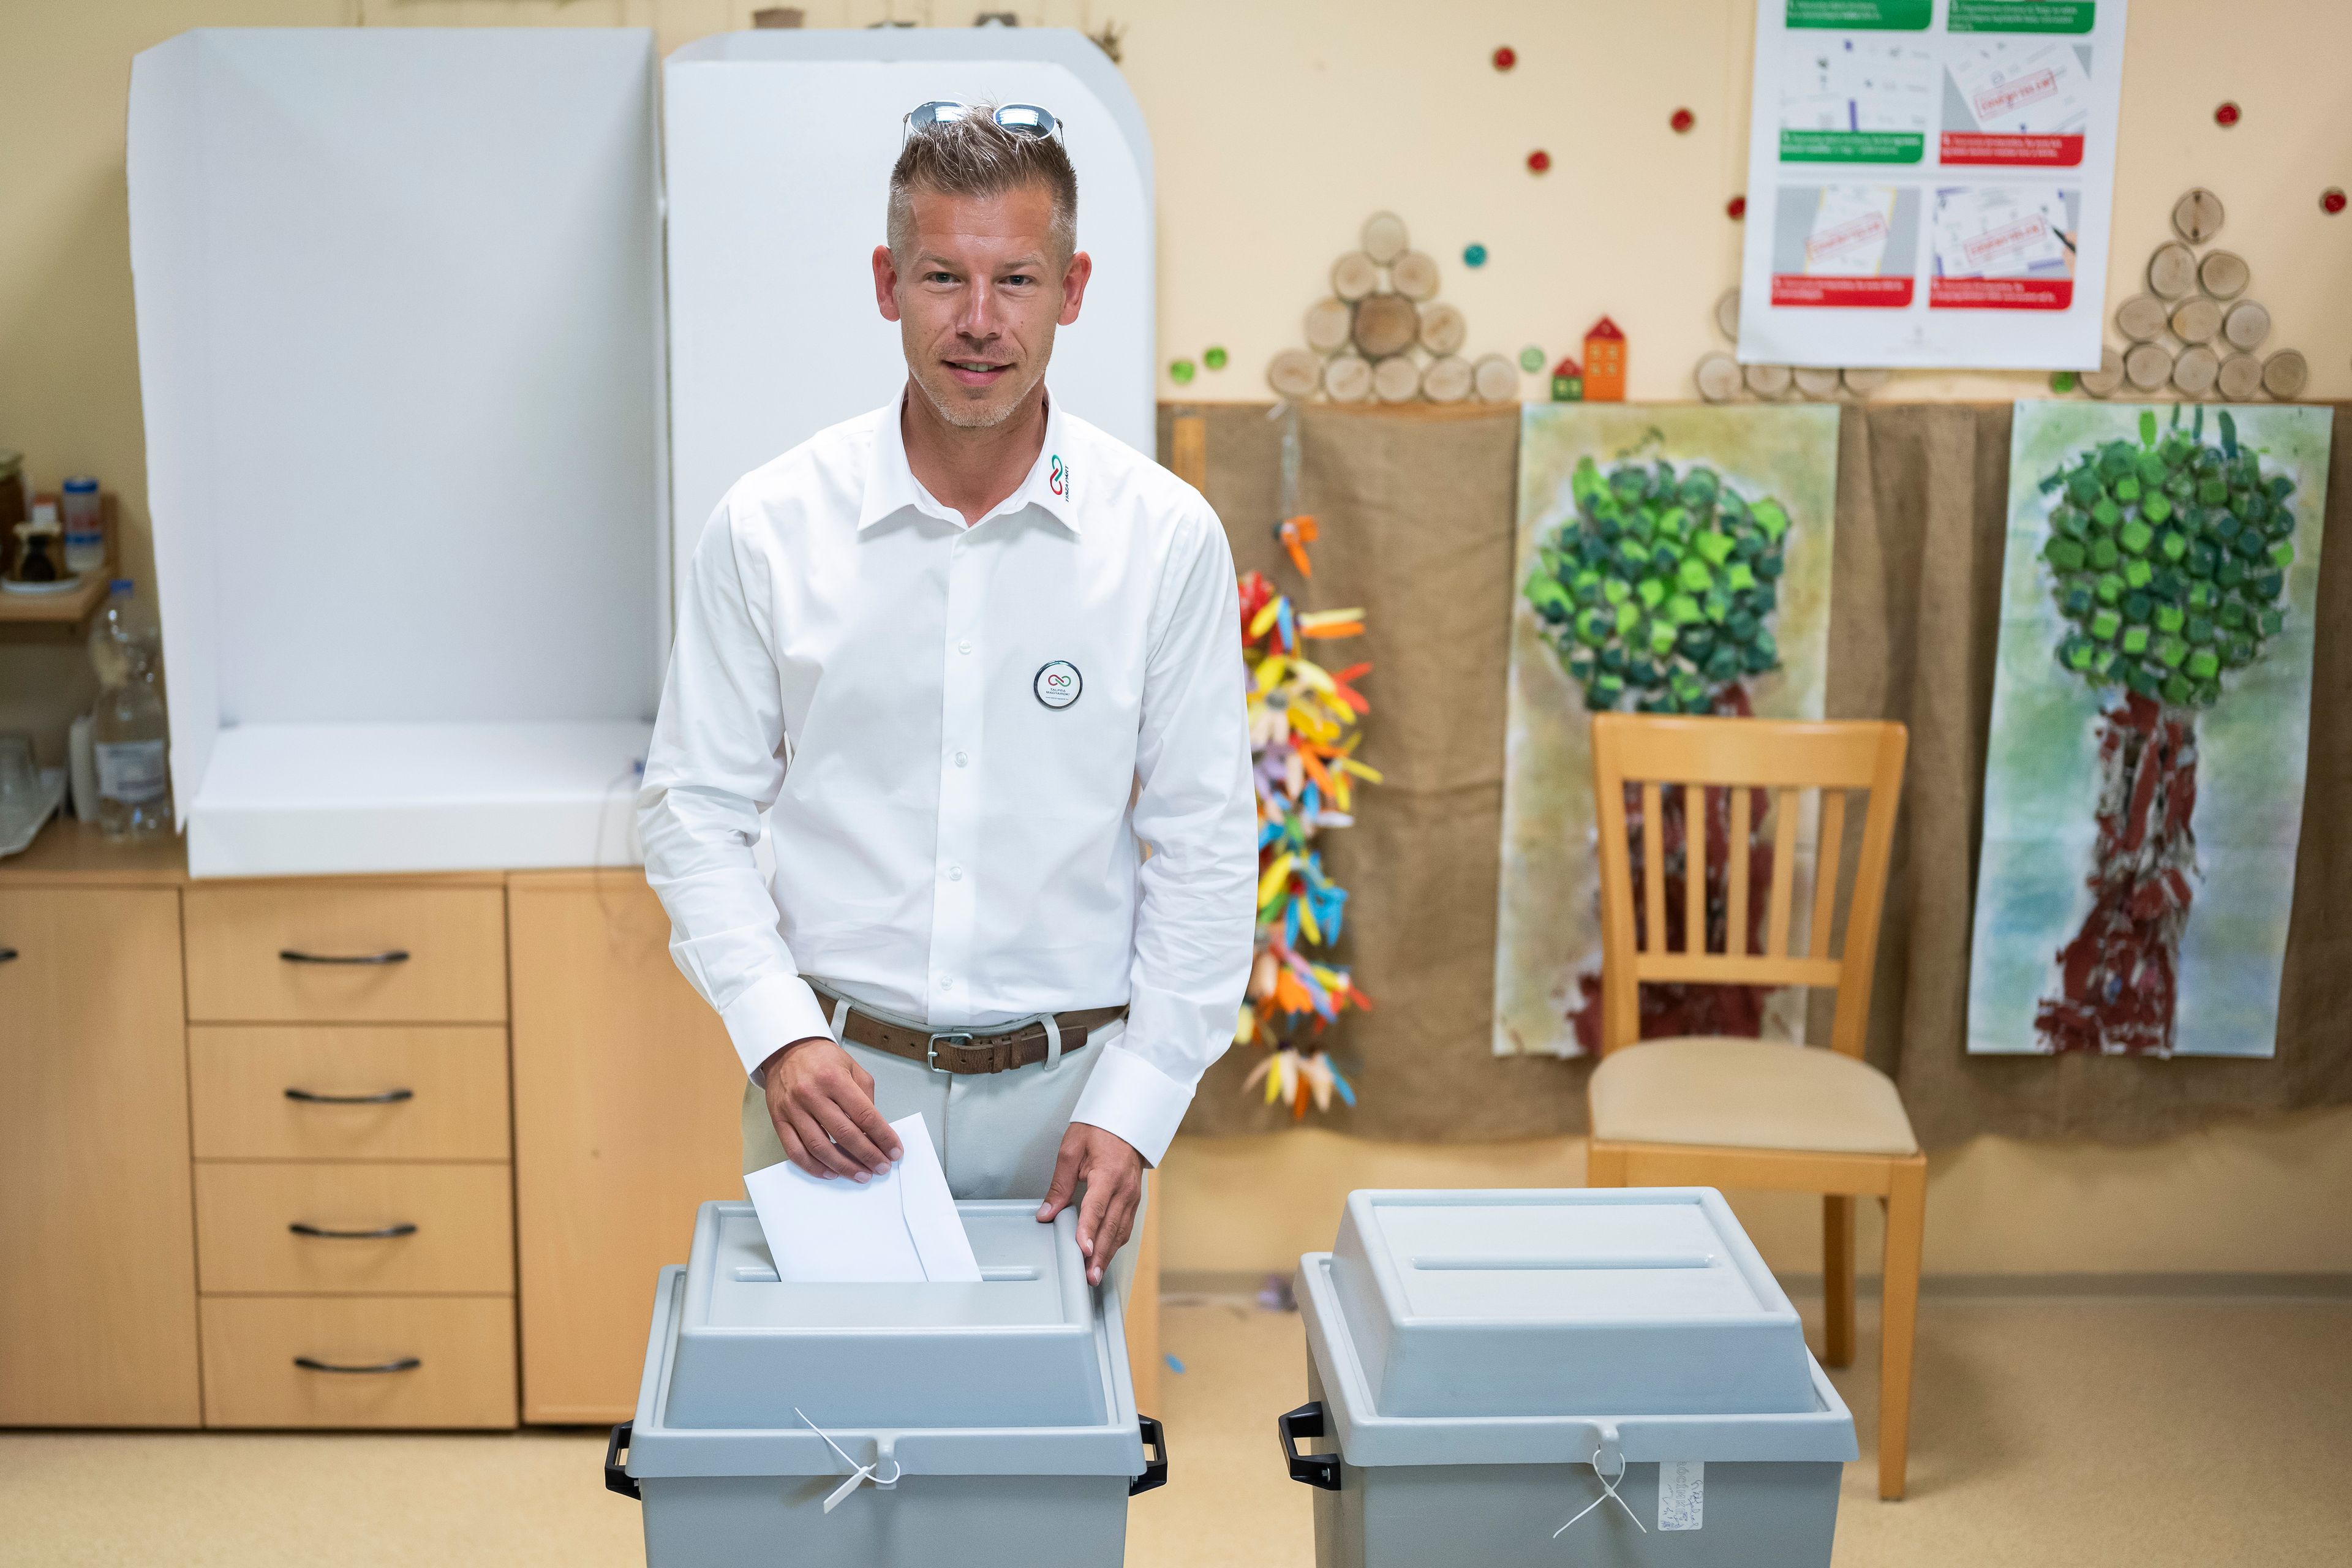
pixel 955 873
pixel 964 646
pixel 962 758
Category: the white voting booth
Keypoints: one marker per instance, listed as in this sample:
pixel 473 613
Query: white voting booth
pixel 419 395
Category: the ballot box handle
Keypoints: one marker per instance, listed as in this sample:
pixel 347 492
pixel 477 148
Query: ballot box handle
pixel 1314 1469
pixel 617 1476
pixel 1155 1471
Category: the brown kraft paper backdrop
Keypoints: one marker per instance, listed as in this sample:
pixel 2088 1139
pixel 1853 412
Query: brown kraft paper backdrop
pixel 1418 511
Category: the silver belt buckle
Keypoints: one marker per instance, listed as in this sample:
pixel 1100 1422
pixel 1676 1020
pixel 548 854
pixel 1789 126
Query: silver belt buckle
pixel 960 1037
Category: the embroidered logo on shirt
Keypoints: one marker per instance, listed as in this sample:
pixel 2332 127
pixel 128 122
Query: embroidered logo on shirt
pixel 1060 480
pixel 1059 684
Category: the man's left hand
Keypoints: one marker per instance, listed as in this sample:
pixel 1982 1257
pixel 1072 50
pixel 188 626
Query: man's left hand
pixel 1113 1172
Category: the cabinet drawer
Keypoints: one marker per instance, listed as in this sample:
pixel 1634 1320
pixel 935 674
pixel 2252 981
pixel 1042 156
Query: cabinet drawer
pixel 344 953
pixel 405 1228
pixel 277 1092
pixel 462 1348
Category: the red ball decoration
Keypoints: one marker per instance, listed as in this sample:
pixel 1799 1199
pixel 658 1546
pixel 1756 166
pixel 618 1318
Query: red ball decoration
pixel 1683 120
pixel 1736 208
pixel 2331 200
pixel 2226 116
pixel 1506 58
pixel 1538 161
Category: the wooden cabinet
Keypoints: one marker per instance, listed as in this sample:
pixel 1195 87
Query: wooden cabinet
pixel 98 1305
pixel 388 951
pixel 359 1361
pixel 626 1119
pixel 356 1092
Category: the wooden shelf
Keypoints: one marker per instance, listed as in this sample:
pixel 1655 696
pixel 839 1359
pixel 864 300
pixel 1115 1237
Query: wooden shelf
pixel 61 617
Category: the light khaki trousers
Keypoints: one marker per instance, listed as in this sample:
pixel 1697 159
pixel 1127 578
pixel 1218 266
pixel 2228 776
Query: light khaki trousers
pixel 997 1134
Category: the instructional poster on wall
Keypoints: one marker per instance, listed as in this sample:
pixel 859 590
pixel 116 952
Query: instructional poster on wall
pixel 2151 716
pixel 1929 182
pixel 1672 559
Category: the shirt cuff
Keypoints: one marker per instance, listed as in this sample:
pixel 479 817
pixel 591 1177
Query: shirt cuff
pixel 771 1015
pixel 1128 1096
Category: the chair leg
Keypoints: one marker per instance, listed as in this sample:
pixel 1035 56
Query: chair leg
pixel 1907 1216
pixel 1837 1280
pixel 1604 1164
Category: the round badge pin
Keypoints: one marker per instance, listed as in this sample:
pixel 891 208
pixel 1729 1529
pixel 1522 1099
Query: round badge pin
pixel 1059 684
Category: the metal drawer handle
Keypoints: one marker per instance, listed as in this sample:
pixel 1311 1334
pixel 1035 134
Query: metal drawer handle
pixel 7 953
pixel 389 955
pixel 1314 1469
pixel 399 1363
pixel 389 1097
pixel 381 1233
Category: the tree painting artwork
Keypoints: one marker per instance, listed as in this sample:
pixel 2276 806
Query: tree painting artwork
pixel 2144 779
pixel 1672 560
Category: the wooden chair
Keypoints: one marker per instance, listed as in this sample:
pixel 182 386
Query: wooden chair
pixel 1711 1110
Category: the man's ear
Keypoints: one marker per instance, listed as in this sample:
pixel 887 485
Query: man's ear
pixel 1074 285
pixel 886 283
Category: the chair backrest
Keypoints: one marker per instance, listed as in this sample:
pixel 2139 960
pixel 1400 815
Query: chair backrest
pixel 1763 766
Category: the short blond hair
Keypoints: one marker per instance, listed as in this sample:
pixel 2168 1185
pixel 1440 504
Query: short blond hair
pixel 972 156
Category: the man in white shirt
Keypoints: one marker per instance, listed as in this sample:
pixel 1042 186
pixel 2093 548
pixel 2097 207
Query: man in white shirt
pixel 971 658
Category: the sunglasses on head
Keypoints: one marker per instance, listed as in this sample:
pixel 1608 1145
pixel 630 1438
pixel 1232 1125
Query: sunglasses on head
pixel 1020 119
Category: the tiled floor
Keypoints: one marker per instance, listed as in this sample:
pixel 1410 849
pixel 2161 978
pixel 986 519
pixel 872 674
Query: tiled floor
pixel 2067 1430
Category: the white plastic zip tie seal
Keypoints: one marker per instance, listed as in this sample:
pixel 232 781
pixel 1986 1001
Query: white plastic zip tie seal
pixel 860 1474
pixel 1608 1494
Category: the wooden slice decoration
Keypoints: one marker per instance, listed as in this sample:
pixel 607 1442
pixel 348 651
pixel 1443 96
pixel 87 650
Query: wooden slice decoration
pixel 1767 380
pixel 1383 238
pixel 1294 374
pixel 1415 276
pixel 1385 324
pixel 2140 317
pixel 1443 328
pixel 2246 324
pixel 1862 380
pixel 1815 382
pixel 2196 321
pixel 1329 324
pixel 1726 314
pixel 1353 276
pixel 2106 381
pixel 1447 379
pixel 1495 379
pixel 1347 378
pixel 2148 366
pixel 1718 377
pixel 2284 374
pixel 2239 378
pixel 2194 371
pixel 2224 274
pixel 1396 379
pixel 2198 216
pixel 2171 272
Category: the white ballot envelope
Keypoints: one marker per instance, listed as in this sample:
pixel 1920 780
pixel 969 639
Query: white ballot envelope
pixel 898 1227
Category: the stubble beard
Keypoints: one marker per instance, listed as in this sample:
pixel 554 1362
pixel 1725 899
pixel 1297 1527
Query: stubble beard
pixel 947 401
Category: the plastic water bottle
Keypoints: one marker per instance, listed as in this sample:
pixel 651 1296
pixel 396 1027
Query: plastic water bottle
pixel 129 738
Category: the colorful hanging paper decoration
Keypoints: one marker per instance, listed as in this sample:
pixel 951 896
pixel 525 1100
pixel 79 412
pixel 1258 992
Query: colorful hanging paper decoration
pixel 1304 724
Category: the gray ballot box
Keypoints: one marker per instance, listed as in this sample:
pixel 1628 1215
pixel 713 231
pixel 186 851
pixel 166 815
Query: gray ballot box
pixel 1486 1368
pixel 867 1426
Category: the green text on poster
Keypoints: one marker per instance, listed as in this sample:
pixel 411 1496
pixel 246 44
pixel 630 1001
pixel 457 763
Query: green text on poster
pixel 2020 15
pixel 1906 16
pixel 1851 146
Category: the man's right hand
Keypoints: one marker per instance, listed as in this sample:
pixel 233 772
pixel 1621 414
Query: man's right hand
pixel 823 1105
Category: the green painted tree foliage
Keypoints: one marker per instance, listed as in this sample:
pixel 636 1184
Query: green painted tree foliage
pixel 1660 591
pixel 2168 559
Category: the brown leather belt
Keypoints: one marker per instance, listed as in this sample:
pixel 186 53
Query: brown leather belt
pixel 974 1051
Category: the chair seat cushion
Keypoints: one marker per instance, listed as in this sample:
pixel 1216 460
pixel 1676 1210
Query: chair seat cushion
pixel 1747 1094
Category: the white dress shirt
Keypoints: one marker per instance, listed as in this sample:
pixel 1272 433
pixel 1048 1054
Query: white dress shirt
pixel 854 662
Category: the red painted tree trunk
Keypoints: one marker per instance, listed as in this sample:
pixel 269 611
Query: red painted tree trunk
pixel 2119 977
pixel 1676 1009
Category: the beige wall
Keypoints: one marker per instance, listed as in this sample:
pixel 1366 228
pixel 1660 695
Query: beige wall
pixel 1278 127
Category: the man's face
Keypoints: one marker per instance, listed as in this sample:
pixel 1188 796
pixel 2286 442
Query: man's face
pixel 977 296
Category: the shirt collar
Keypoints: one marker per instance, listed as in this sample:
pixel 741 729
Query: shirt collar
pixel 891 485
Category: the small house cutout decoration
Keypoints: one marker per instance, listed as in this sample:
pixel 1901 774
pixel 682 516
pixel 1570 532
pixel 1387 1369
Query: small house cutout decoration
pixel 1567 383
pixel 1604 363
